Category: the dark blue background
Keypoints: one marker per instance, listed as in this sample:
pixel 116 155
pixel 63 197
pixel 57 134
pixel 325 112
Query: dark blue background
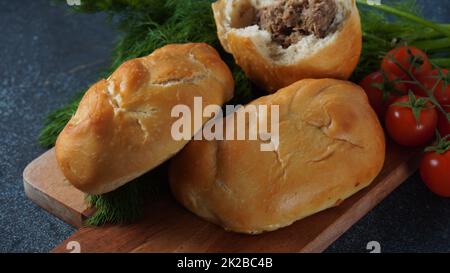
pixel 48 53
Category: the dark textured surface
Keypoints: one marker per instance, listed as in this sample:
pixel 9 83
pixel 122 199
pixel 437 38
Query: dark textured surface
pixel 47 54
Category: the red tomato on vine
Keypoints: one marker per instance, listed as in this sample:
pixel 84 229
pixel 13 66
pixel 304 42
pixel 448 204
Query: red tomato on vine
pixel 411 121
pixel 435 167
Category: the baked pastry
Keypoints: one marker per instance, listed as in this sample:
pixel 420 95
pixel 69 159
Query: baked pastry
pixel 278 42
pixel 331 145
pixel 122 127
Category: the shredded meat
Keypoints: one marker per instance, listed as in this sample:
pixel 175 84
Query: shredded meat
pixel 288 20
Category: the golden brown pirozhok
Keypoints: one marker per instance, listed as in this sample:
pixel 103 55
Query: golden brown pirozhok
pixel 270 65
pixel 331 146
pixel 122 127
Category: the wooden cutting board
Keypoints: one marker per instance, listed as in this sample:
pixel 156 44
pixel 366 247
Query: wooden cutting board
pixel 168 227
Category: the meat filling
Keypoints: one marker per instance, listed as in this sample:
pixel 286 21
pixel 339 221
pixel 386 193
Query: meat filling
pixel 288 20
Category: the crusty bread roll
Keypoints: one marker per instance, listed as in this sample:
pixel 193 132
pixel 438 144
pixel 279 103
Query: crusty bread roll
pixel 331 145
pixel 269 64
pixel 122 127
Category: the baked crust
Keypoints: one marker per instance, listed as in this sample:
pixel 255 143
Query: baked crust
pixel 336 59
pixel 331 146
pixel 122 127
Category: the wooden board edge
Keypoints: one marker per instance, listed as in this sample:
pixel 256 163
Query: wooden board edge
pixel 53 206
pixel 47 202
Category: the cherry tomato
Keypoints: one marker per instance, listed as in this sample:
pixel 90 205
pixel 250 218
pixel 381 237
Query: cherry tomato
pixel 402 126
pixel 405 57
pixel 438 78
pixel 381 91
pixel 435 169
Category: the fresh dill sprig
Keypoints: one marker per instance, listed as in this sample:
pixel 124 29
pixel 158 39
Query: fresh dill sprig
pixel 125 204
pixel 146 25
pixel 55 122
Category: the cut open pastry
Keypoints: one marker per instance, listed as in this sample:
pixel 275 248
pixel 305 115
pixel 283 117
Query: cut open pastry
pixel 278 42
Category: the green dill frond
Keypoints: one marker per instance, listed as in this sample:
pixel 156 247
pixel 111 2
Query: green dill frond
pixel 55 122
pixel 125 204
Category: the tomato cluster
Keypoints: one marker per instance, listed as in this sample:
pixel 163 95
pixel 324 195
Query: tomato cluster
pixel 413 99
